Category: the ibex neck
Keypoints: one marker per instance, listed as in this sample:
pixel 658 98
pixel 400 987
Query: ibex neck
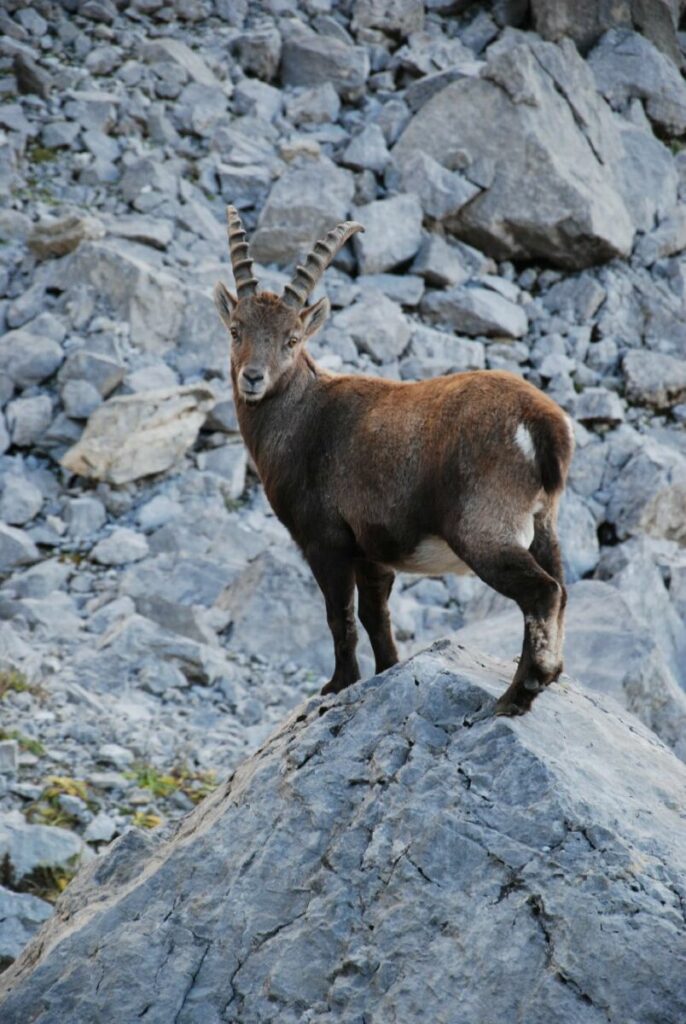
pixel 273 422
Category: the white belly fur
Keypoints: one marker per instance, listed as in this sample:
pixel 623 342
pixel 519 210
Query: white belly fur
pixel 432 557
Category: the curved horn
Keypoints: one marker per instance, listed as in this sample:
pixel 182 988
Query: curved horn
pixel 241 262
pixel 306 276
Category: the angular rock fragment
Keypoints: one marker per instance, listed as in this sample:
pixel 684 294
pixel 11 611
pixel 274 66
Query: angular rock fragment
pixel 654 379
pixel 474 311
pixel 62 236
pixel 535 102
pixel 136 435
pixel 392 235
pixel 309 58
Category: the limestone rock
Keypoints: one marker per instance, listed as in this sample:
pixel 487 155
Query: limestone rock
pixel 178 52
pixel 654 379
pixel 309 199
pixel 410 839
pixel 24 847
pixel 376 325
pixel 650 494
pixel 20 917
pixel 474 311
pixel 121 547
pixel 392 235
pixel 625 65
pixel 532 99
pixel 62 235
pixel 136 435
pixel 397 17
pixel 150 300
pixel 310 58
pixel 28 358
pixel 16 549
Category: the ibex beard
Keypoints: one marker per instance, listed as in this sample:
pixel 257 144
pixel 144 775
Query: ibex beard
pixel 371 476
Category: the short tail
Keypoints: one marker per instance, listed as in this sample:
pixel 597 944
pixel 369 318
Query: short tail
pixel 554 443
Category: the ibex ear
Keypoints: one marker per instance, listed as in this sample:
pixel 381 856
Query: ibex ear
pixel 314 317
pixel 225 302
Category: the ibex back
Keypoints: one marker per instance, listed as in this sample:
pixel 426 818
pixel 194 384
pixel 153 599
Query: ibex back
pixel 371 476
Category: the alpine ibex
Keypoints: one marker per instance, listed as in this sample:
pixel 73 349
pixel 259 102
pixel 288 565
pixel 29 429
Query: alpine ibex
pixel 372 475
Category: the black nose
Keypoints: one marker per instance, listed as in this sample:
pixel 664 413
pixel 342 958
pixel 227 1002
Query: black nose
pixel 253 376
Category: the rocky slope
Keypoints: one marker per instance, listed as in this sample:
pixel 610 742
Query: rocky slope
pixel 393 855
pixel 520 171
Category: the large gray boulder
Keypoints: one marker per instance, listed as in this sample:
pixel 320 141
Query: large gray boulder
pixel 389 854
pixel 551 143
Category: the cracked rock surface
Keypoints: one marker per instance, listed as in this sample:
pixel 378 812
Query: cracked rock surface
pixel 394 854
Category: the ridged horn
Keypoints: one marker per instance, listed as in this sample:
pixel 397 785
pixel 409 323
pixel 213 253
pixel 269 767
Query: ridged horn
pixel 306 276
pixel 246 283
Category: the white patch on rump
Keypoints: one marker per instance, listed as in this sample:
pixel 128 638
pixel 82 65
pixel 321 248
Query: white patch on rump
pixel 432 557
pixel 525 441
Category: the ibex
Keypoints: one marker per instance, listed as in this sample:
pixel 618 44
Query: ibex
pixel 371 476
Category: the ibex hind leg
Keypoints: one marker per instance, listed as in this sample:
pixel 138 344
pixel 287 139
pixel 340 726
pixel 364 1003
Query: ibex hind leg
pixel 374 584
pixel 514 572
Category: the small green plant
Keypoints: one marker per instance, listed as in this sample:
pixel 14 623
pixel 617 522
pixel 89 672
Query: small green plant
pixel 147 777
pixel 49 883
pixel 144 819
pixel 32 746
pixel 12 680
pixel 37 154
pixel 47 810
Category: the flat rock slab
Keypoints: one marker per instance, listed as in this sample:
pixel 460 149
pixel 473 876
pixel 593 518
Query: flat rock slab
pixel 134 436
pixel 390 855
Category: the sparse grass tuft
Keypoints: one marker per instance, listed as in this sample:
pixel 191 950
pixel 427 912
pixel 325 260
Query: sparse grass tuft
pixel 37 154
pixel 32 746
pixel 11 679
pixel 144 819
pixel 48 883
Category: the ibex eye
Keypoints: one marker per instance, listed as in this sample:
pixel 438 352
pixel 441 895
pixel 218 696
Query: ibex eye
pixel 292 341
pixel 234 333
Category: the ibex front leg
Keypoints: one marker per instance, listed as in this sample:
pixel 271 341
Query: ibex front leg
pixel 335 573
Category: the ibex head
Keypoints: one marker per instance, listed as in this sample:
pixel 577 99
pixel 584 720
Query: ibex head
pixel 268 331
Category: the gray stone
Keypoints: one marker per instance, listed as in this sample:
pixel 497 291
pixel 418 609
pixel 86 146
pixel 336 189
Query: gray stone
pixel 152 231
pixel 21 915
pixel 26 847
pixel 433 353
pixel 578 537
pixel 102 373
pixel 646 174
pixel 399 17
pixel 529 828
pixel 668 238
pixel 150 300
pixel 575 298
pixel 136 435
pixel 257 99
pixel 368 150
pixel 9 757
pixel 439 263
pixel 28 419
pixel 531 98
pixel 649 495
pixel 16 549
pixel 28 358
pixel 474 311
pixel 311 59
pixel 178 52
pixel 101 829
pixel 407 289
pixel 626 65
pixel 84 516
pixel 376 325
pixel 441 192
pixel 654 379
pixel 80 398
pixel 121 547
pixel 230 462
pixel 92 108
pixel 598 406
pixel 392 235
pixel 318 105
pixel 244 186
pixel 200 108
pixel 258 50
pixel 20 500
pixel 586 22
pixel 309 199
